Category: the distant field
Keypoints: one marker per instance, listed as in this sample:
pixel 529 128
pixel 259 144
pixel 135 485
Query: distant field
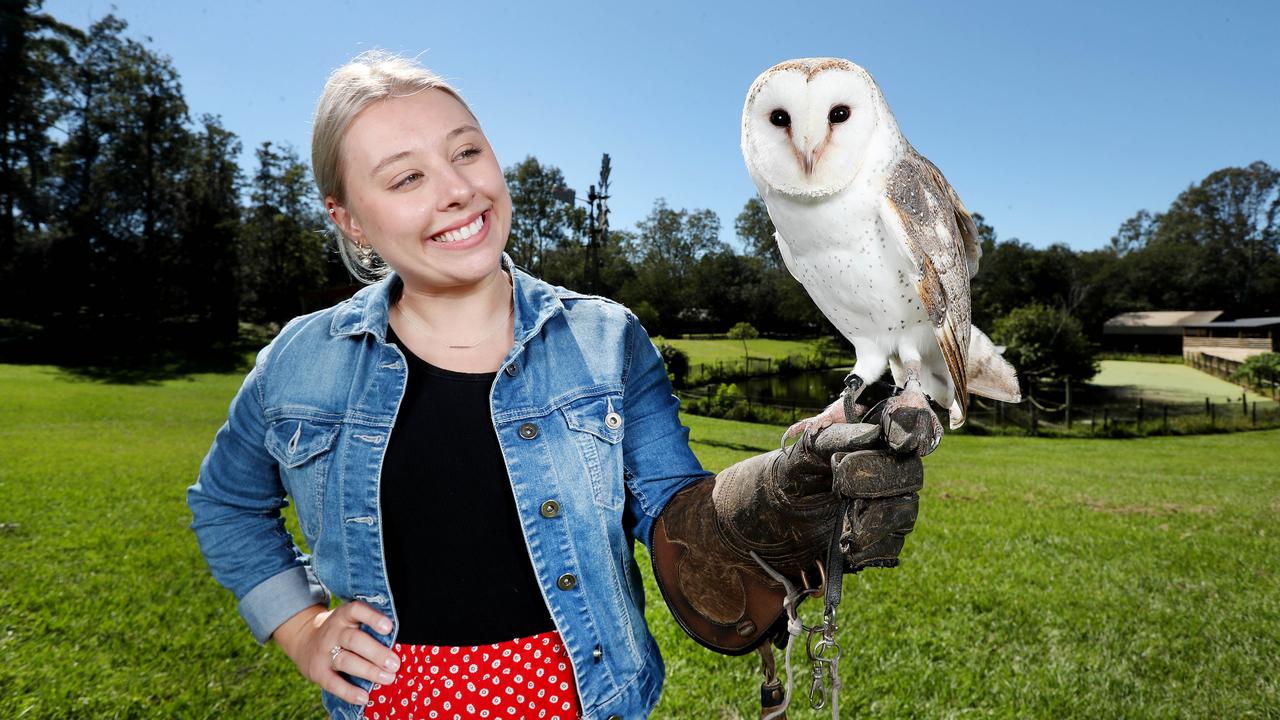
pixel 1168 382
pixel 716 350
pixel 1045 579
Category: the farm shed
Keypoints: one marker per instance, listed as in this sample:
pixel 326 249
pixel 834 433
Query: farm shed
pixel 1152 331
pixel 1221 347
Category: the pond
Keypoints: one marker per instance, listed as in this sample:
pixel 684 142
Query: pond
pixel 808 389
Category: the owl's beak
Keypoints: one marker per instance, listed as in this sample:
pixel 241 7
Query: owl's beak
pixel 807 160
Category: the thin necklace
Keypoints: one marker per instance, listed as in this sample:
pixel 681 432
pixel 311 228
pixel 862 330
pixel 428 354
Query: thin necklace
pixel 423 325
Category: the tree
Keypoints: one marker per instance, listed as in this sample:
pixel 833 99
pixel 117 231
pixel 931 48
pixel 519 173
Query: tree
pixel 744 331
pixel 540 222
pixel 284 250
pixel 36 53
pixel 1045 344
pixel 1259 369
pixel 116 189
pixel 756 230
pixel 667 247
pixel 209 231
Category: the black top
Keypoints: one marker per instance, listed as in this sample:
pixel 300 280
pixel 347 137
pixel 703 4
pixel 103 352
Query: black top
pixel 457 563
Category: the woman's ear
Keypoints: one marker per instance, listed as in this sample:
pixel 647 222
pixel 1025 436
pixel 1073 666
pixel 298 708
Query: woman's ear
pixel 345 221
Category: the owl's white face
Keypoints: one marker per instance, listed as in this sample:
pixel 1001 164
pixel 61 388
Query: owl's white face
pixel 807 125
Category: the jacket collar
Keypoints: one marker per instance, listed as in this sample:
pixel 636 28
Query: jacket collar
pixel 369 309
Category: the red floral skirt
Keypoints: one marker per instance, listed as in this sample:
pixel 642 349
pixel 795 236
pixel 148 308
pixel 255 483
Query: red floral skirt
pixel 523 678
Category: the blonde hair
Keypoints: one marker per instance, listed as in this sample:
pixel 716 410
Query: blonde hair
pixel 370 76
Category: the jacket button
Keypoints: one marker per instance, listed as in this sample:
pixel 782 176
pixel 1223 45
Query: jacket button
pixel 513 369
pixel 550 509
pixel 597 654
pixel 613 420
pixel 567 582
pixel 528 431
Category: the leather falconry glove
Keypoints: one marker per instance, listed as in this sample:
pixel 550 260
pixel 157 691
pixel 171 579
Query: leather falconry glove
pixel 784 505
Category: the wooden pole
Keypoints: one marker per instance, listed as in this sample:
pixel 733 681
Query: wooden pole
pixel 1068 405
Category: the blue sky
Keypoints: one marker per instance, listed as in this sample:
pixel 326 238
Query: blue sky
pixel 1057 121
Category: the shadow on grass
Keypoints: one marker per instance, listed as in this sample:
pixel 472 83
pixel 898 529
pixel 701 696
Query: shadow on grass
pixel 732 445
pixel 156 368
pixel 146 361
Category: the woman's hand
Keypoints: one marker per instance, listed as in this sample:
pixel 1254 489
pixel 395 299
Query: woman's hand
pixel 309 638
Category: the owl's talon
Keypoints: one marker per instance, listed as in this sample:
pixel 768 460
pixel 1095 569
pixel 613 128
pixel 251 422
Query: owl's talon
pixel 910 425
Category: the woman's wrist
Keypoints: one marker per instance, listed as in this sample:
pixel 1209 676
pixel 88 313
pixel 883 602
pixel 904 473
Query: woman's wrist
pixel 291 632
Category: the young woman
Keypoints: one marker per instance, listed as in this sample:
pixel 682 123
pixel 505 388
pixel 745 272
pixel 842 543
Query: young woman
pixel 472 453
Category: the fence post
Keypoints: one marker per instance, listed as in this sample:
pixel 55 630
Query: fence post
pixel 1031 400
pixel 1244 401
pixel 1255 413
pixel 1141 413
pixel 1206 406
pixel 1213 415
pixel 1068 406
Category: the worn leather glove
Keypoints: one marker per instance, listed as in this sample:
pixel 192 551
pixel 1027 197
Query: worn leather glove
pixel 785 506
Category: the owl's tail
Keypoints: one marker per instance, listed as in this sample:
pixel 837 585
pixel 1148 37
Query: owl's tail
pixel 990 375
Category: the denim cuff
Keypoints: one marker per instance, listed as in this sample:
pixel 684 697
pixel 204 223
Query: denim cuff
pixel 279 598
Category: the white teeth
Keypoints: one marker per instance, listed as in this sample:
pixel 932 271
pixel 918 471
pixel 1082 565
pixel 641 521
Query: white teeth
pixel 461 233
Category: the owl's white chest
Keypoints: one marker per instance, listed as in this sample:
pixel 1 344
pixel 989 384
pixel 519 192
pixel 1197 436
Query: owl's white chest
pixel 859 276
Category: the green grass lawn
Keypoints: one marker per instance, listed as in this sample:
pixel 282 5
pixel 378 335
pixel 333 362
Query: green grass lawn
pixel 711 351
pixel 1046 578
pixel 1166 382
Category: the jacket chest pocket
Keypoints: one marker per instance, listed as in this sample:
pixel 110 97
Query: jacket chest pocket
pixel 301 447
pixel 597 426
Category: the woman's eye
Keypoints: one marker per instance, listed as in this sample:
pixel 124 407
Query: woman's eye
pixel 469 153
pixel 406 180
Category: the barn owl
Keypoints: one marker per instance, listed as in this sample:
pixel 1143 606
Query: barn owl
pixel 878 238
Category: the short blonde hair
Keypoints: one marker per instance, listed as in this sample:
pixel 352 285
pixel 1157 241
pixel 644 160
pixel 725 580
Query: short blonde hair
pixel 371 76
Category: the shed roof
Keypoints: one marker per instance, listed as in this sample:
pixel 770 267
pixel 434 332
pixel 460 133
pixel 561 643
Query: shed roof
pixel 1242 323
pixel 1130 321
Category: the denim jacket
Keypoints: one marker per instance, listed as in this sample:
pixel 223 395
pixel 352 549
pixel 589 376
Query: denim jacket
pixel 588 427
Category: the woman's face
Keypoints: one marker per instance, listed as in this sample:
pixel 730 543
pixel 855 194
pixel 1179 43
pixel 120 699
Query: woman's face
pixel 424 188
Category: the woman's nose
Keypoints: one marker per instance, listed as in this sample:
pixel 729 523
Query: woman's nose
pixel 456 190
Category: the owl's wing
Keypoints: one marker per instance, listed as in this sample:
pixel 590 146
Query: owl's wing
pixel 785 251
pixel 922 211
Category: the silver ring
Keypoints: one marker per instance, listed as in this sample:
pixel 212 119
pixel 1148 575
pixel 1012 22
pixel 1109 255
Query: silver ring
pixel 333 656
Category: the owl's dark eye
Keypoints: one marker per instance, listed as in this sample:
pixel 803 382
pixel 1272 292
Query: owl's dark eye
pixel 780 118
pixel 838 114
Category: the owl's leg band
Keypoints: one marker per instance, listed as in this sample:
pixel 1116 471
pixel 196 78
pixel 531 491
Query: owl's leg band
pixel 853 385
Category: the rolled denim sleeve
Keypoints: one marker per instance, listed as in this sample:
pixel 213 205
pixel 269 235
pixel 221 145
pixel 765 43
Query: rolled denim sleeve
pixel 657 460
pixel 235 505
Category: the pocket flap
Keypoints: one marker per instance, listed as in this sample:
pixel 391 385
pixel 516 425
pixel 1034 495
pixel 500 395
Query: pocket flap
pixel 293 442
pixel 600 415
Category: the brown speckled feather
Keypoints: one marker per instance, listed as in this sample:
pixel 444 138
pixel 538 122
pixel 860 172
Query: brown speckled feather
pixel 941 239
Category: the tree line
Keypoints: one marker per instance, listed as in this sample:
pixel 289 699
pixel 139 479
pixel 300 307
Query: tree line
pixel 127 227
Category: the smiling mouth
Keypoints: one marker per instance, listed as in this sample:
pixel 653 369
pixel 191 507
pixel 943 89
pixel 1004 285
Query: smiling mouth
pixel 462 233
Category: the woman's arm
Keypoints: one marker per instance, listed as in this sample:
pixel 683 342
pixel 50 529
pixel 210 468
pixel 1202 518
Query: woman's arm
pixel 235 505
pixel 657 461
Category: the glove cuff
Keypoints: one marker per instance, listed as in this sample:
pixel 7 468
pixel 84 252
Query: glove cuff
pixel 718 594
